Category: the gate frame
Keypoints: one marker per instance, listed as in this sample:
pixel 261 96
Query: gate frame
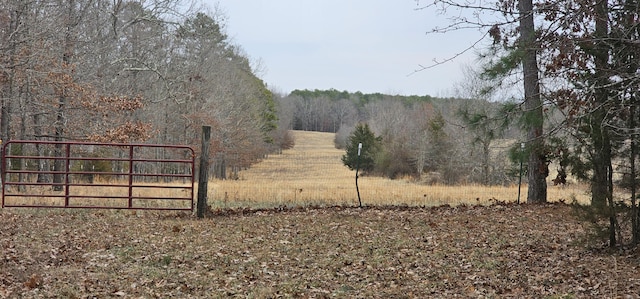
pixel 66 184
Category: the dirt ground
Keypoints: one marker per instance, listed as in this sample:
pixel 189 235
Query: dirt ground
pixel 500 251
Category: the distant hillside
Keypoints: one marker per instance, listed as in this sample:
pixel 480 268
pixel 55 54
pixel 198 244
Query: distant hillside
pixel 360 98
pixel 326 110
pixel 420 134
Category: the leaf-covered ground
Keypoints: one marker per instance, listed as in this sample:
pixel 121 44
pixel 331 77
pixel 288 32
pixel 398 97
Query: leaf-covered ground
pixel 501 251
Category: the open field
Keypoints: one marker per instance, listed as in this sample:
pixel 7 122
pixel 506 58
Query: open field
pixel 312 173
pixel 501 251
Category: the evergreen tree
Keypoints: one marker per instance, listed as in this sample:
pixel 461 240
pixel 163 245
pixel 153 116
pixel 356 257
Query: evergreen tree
pixel 370 148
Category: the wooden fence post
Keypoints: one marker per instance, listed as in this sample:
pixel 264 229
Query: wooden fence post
pixel 203 174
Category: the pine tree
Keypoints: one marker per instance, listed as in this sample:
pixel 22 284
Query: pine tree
pixel 370 148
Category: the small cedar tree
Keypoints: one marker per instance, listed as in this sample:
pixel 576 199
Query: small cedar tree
pixel 370 148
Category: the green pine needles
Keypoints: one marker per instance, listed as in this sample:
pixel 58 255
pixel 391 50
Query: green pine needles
pixel 370 148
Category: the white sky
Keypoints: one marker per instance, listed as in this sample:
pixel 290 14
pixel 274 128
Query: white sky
pixel 354 45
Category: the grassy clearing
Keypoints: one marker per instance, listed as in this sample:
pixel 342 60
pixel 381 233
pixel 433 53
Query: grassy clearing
pixel 309 174
pixel 312 173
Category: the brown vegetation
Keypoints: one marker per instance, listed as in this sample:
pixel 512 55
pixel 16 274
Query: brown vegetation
pixel 512 251
pixel 312 173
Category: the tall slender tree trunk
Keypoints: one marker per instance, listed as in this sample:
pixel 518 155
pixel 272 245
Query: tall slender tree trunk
pixel 220 167
pixel 37 131
pixel 5 109
pixel 538 168
pixel 8 91
pixel 632 173
pixel 486 151
pixel 59 164
pixel 602 181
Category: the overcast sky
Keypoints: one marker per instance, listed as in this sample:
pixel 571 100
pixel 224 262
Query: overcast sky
pixel 354 45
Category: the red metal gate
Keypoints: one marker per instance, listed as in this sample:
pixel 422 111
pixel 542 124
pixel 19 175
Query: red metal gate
pixel 97 175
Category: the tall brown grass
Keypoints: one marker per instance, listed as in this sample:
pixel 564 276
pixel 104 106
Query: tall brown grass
pixel 145 196
pixel 312 173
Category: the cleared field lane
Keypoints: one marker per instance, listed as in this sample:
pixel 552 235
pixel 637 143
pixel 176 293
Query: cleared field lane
pixel 312 173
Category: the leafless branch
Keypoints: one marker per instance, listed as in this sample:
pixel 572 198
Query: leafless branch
pixel 440 62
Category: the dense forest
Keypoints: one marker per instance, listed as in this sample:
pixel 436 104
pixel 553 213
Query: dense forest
pixel 130 71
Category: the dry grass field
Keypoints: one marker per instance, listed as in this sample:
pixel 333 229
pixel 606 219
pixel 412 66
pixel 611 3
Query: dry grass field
pixel 152 197
pixel 312 173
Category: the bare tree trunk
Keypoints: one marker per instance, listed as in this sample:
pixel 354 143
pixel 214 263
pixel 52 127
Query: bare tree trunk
pixel 538 168
pixel 8 90
pixel 5 112
pixel 7 95
pixel 37 130
pixel 220 167
pixel 67 55
pixel 20 147
pixel 632 174
pixel 486 157
pixel 602 183
pixel 58 165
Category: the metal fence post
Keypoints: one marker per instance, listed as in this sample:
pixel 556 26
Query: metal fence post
pixel 358 168
pixel 520 177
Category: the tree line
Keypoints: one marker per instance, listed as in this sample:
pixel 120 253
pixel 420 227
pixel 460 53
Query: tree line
pixel 429 139
pixel 131 71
